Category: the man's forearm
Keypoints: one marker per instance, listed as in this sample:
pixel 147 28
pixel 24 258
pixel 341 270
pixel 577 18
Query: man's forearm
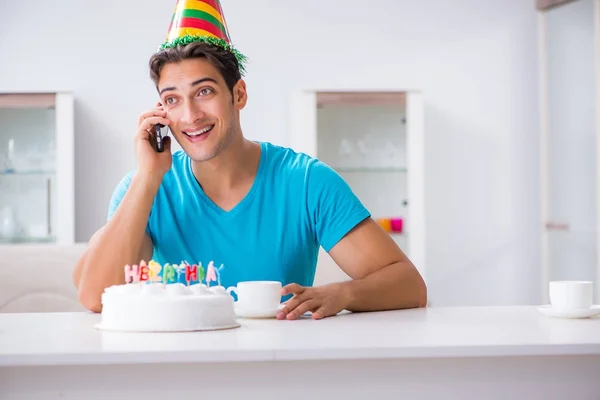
pixel 118 244
pixel 396 286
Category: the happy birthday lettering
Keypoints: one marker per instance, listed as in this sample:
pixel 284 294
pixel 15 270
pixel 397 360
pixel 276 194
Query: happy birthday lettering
pixel 171 273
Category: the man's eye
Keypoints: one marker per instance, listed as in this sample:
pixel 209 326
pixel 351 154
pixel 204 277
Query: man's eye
pixel 170 100
pixel 205 91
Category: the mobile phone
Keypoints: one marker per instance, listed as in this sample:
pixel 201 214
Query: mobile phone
pixel 158 136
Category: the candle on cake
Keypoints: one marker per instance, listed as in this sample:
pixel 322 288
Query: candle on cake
pixel 154 271
pixel 219 274
pixel 184 272
pixel 180 270
pixel 210 274
pixel 168 274
pixel 144 270
pixel 191 273
pixel 201 273
pixel 132 273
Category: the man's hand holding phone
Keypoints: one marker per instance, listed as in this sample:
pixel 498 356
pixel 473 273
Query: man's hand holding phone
pixel 152 163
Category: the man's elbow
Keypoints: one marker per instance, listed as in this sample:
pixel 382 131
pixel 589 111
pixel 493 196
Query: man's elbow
pixel 85 294
pixel 90 303
pixel 421 299
pixel 89 300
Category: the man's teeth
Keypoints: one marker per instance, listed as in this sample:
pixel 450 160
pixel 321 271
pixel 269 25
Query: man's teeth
pixel 200 132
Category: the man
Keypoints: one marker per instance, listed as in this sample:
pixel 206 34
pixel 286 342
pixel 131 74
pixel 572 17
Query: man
pixel 260 210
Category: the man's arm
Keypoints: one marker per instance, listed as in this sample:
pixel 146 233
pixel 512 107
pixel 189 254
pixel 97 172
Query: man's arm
pixel 383 278
pixel 123 240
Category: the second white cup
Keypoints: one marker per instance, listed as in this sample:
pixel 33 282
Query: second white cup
pixel 261 296
pixel 571 295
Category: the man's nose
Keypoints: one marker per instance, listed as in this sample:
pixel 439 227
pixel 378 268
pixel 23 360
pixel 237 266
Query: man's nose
pixel 192 112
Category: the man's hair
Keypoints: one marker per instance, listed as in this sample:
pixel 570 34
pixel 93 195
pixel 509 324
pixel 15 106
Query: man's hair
pixel 223 60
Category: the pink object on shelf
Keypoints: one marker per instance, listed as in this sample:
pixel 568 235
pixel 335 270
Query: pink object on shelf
pixel 396 224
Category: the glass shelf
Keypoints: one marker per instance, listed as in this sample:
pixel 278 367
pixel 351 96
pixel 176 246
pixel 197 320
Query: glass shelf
pixel 371 169
pixel 27 239
pixel 28 173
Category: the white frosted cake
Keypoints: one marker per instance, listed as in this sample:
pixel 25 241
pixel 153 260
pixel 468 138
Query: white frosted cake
pixel 166 307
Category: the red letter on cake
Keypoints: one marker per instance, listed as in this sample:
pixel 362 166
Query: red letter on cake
pixel 131 273
pixel 143 271
pixel 191 273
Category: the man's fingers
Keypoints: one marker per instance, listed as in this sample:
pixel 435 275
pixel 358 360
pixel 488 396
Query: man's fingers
pixel 292 288
pixel 320 313
pixel 293 302
pixel 148 123
pixel 157 112
pixel 151 121
pixel 308 305
pixel 289 306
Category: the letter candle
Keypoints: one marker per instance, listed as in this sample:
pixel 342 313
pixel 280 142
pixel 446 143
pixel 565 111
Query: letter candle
pixel 132 273
pixel 154 271
pixel 191 273
pixel 219 274
pixel 210 274
pixel 201 272
pixel 143 271
pixel 168 273
pixel 180 271
pixel 173 273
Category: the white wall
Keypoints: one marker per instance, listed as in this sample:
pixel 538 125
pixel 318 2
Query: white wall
pixel 475 60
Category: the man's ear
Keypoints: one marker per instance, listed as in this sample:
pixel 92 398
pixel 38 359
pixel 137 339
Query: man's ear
pixel 240 95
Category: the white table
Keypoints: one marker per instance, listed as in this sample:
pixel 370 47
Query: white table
pixel 435 353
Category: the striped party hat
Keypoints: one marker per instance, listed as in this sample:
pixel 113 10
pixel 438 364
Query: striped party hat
pixel 200 21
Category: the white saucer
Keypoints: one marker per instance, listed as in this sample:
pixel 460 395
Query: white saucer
pixel 240 312
pixel 579 313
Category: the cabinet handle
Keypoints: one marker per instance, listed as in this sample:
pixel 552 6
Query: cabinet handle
pixel 49 205
pixel 557 226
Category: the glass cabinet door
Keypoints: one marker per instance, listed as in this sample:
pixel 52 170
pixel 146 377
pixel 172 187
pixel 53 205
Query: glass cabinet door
pixel 569 143
pixel 375 141
pixel 28 173
pixel 363 137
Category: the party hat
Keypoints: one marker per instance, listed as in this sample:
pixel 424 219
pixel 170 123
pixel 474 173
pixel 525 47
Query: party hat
pixel 200 21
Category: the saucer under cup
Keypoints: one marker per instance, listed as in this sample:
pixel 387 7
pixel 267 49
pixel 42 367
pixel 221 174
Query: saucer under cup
pixel 550 311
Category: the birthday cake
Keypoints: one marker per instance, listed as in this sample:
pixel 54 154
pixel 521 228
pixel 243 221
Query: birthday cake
pixel 169 298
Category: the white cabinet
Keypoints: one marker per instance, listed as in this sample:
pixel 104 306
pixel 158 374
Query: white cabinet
pixel 375 141
pixel 36 168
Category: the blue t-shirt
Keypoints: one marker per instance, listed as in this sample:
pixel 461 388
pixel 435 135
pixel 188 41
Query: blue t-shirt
pixel 296 204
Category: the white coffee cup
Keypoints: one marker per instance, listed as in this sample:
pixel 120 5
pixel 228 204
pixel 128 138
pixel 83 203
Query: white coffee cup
pixel 261 296
pixel 571 295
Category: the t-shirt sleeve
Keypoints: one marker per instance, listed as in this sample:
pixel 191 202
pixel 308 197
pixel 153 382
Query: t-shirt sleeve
pixel 333 207
pixel 117 197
